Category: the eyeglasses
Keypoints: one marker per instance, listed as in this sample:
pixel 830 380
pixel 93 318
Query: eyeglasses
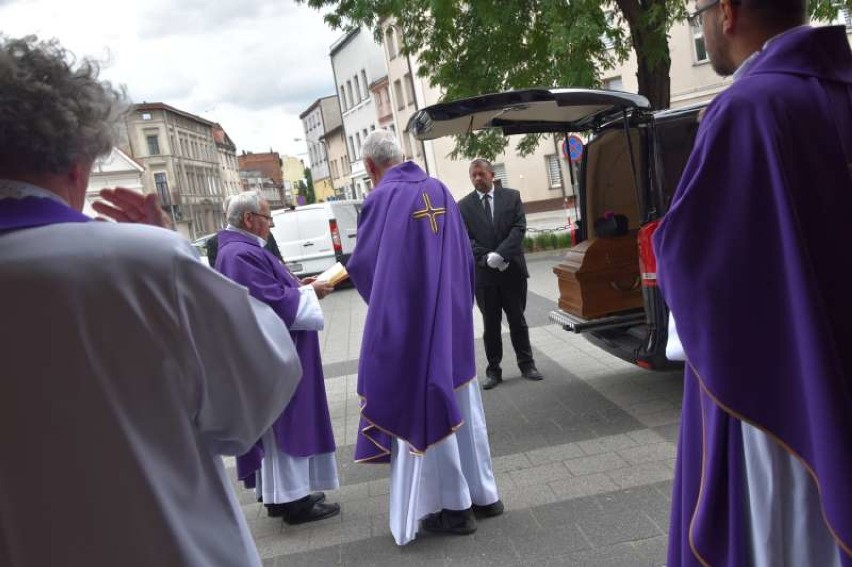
pixel 696 18
pixel 267 217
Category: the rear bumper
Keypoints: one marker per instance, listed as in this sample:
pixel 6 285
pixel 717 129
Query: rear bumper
pixel 623 336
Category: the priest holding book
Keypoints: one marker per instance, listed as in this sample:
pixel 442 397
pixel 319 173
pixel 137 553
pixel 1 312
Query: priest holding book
pixel 421 408
pixel 295 458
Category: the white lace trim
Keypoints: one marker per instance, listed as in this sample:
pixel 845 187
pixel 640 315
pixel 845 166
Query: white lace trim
pixel 10 189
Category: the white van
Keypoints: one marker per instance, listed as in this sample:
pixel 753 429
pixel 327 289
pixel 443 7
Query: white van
pixel 313 237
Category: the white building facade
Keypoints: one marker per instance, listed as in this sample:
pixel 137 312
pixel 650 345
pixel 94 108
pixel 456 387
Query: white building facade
pixel 117 169
pixel 357 61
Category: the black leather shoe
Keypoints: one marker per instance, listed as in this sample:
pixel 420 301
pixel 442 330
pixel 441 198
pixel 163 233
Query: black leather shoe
pixel 319 511
pixel 532 373
pixel 458 522
pixel 278 510
pixel 491 381
pixel 488 510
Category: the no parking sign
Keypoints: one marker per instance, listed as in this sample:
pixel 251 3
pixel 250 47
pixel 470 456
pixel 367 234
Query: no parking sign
pixel 572 148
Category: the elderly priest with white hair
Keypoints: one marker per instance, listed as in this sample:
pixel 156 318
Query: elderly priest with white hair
pixel 128 366
pixel 295 457
pixel 420 404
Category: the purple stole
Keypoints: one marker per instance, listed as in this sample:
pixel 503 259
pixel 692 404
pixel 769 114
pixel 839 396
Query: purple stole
pixel 31 212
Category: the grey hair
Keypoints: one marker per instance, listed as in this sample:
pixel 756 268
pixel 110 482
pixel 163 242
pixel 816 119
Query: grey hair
pixel 239 205
pixel 483 162
pixel 54 112
pixel 382 148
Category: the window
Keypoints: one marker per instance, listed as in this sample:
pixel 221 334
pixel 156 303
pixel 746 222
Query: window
pixel 614 84
pixel 409 89
pixel 554 170
pixel 365 83
pixel 500 173
pixel 357 145
pixel 611 23
pixel 349 93
pixel 390 40
pixel 698 44
pixel 342 98
pixel 358 97
pixel 163 189
pixel 406 142
pixel 351 148
pixel 153 144
pixel 397 89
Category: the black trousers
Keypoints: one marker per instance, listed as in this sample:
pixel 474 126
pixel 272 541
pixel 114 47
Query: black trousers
pixel 493 300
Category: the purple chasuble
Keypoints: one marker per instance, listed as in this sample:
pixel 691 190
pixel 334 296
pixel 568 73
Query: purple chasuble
pixel 753 262
pixel 304 428
pixel 30 212
pixel 414 268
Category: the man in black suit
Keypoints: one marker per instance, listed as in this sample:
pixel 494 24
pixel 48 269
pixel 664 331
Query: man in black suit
pixel 496 225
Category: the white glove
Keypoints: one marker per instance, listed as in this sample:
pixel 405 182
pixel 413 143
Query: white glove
pixel 502 267
pixel 494 260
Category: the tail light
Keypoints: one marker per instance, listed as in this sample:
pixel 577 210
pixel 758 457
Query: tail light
pixel 335 237
pixel 647 258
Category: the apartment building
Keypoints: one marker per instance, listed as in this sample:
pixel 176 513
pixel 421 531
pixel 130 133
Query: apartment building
pixel 338 162
pixel 181 161
pixel 322 116
pixel 357 62
pixel 227 153
pixel 263 172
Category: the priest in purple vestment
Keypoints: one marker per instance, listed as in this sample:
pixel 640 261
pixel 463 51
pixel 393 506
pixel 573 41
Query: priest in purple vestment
pixel 753 263
pixel 421 408
pixel 296 456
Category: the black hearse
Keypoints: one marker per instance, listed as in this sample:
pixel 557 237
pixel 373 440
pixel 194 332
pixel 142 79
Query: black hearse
pixel 631 165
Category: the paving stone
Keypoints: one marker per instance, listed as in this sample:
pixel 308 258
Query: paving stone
pixel 566 511
pixel 540 475
pixel 555 454
pixel 515 462
pixel 641 474
pixel 611 528
pixel 582 486
pixel 596 463
pixel 554 541
pixel 606 444
pixel 654 550
pixel 669 431
pixel 646 436
pixel 649 453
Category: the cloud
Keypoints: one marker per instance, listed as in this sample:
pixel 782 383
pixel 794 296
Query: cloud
pixel 253 66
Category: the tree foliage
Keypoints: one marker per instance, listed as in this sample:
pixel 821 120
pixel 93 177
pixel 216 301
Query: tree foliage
pixel 306 187
pixel 482 46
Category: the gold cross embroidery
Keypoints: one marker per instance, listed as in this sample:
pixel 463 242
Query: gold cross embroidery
pixel 430 212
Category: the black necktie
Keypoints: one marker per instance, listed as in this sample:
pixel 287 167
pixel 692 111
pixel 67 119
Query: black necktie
pixel 486 202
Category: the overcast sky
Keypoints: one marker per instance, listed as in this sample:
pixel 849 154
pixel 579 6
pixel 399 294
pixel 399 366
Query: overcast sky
pixel 251 65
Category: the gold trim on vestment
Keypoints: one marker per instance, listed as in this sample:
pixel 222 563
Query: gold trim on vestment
pixel 736 415
pixel 386 450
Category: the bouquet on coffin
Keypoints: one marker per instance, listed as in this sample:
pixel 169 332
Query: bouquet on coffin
pixel 334 275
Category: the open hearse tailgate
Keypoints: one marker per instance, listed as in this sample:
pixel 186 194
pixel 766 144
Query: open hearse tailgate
pixel 524 111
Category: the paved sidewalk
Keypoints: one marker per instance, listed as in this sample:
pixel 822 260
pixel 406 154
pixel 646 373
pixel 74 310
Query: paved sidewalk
pixel 584 459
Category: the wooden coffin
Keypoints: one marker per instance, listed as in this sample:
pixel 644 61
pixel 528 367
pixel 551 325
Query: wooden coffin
pixel 600 277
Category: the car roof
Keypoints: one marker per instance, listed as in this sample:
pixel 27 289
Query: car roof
pixel 525 111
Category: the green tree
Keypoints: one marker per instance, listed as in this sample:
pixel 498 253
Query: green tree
pixel 481 46
pixel 306 187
